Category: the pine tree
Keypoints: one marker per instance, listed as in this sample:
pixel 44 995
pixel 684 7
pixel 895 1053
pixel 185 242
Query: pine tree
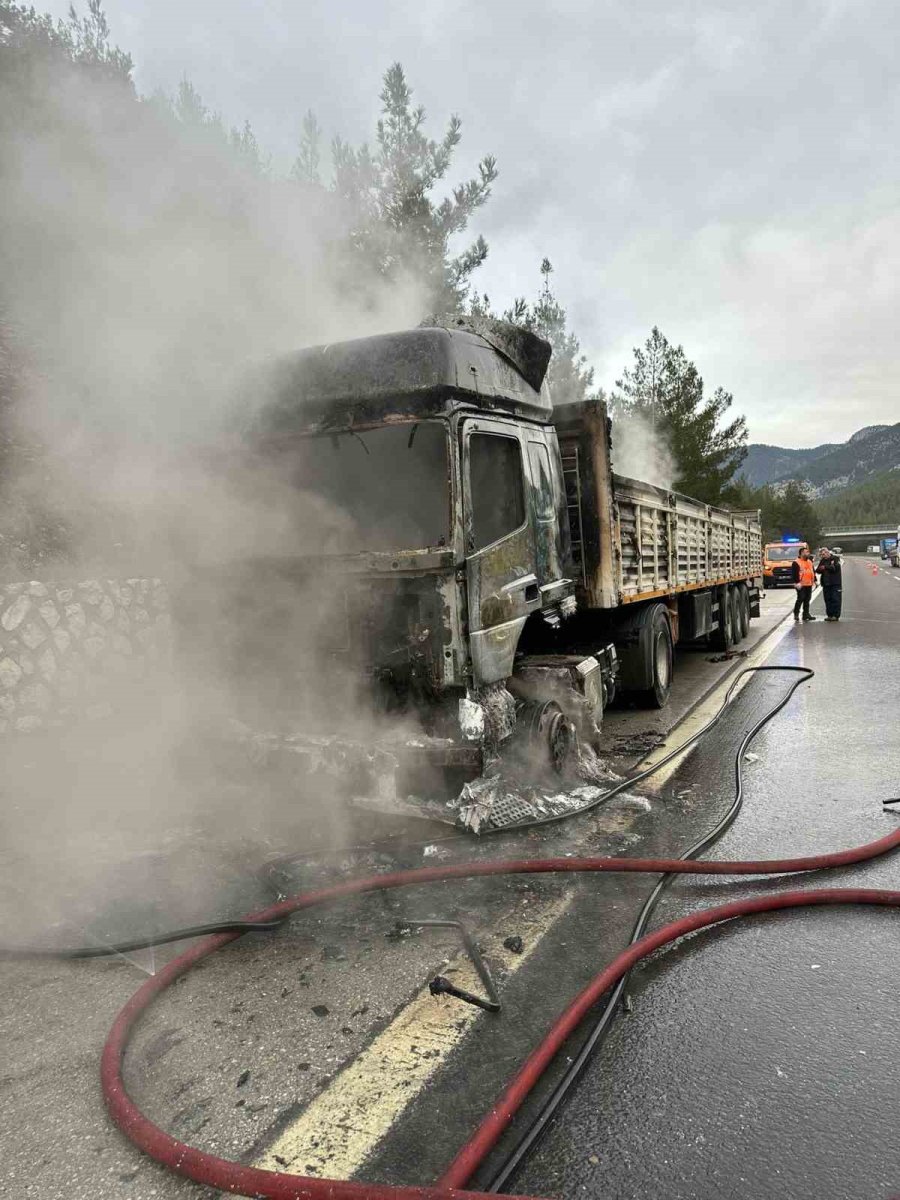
pixel 309 155
pixel 397 227
pixel 569 376
pixel 785 511
pixel 665 389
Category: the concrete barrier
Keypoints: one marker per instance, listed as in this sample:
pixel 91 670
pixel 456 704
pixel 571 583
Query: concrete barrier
pixel 70 651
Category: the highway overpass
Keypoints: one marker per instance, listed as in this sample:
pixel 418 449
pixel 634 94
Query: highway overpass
pixel 855 538
pixel 836 532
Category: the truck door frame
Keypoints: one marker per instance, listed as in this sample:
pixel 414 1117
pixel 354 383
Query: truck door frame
pixel 502 593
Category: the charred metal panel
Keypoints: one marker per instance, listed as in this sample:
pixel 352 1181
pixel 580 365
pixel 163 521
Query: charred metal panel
pixel 494 651
pixel 396 376
pixel 400 633
pixel 583 430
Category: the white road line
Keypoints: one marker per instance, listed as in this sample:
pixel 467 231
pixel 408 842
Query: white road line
pixel 710 706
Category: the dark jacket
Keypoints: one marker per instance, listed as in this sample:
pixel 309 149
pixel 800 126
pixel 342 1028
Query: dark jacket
pixel 829 571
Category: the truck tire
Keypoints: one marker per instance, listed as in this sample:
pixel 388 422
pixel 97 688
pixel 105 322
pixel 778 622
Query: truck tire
pixel 657 646
pixel 742 597
pixel 723 637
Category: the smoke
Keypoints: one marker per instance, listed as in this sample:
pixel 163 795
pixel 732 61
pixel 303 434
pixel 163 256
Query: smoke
pixel 640 451
pixel 144 264
pixel 143 267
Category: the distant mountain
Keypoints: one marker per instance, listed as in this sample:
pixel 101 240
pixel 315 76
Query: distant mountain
pixel 828 468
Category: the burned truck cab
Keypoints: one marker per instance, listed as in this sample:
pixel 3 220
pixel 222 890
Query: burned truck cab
pixel 437 510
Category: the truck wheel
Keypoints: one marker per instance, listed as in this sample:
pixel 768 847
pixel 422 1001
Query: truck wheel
pixel 543 728
pixel 742 604
pixel 660 656
pixel 723 637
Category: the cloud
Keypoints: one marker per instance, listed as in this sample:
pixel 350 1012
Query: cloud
pixel 714 169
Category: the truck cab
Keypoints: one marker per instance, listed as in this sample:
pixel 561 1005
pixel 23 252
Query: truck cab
pixel 428 463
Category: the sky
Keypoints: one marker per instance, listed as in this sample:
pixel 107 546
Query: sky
pixel 726 171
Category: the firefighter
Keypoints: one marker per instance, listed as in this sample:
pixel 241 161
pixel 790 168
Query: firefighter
pixel 829 572
pixel 803 573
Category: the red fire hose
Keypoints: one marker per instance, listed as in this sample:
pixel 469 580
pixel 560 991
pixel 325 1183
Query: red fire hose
pixel 234 1177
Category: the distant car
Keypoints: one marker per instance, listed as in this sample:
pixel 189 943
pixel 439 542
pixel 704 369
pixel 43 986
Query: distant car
pixel 837 551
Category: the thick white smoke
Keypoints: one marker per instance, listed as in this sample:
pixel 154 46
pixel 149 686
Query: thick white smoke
pixel 640 451
pixel 143 267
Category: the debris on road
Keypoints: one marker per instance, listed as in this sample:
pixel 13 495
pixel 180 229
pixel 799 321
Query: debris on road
pixel 728 656
pixel 641 742
pixel 514 943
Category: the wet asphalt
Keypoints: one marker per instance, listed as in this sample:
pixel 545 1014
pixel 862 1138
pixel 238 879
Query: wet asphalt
pixel 761 1060
pixel 756 1061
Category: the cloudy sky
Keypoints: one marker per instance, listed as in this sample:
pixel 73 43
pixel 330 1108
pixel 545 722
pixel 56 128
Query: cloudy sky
pixel 727 171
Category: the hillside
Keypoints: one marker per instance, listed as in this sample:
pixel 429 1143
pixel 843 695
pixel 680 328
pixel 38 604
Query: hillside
pixel 876 500
pixel 830 467
pixel 766 464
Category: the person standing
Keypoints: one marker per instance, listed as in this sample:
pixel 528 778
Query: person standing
pixel 829 572
pixel 803 574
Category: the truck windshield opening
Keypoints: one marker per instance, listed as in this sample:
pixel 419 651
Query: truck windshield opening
pixel 782 553
pixel 390 486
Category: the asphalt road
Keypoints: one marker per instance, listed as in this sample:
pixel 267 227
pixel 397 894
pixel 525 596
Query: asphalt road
pixel 759 1060
pixel 316 1047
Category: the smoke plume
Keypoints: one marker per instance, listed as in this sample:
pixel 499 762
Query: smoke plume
pixel 143 267
pixel 640 451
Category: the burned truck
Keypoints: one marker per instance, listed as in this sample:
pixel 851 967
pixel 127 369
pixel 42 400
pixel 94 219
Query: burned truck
pixel 492 585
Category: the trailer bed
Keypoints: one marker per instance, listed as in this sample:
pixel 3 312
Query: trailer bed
pixel 670 543
pixel 634 541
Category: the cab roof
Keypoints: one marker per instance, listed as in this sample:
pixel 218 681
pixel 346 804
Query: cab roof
pixel 430 371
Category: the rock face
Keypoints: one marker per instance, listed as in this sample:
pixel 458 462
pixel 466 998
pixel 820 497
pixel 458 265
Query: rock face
pixel 66 647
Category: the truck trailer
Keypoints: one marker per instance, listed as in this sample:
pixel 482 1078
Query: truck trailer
pixel 492 578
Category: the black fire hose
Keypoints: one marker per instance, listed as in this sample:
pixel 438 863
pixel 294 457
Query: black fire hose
pixel 604 1019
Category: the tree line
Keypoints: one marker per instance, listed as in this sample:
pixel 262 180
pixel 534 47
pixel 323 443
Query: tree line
pixel 875 502
pixel 403 221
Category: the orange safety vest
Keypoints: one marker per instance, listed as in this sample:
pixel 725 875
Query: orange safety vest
pixel 807 571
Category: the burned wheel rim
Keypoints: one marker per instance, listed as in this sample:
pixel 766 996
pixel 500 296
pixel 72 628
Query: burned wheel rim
pixel 548 733
pixel 560 742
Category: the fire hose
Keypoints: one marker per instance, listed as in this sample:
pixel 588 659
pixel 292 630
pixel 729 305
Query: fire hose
pixel 236 1177
pixel 232 1176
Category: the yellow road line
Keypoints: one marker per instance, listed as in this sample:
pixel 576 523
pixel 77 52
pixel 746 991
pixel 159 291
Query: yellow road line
pixel 705 711
pixel 340 1128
